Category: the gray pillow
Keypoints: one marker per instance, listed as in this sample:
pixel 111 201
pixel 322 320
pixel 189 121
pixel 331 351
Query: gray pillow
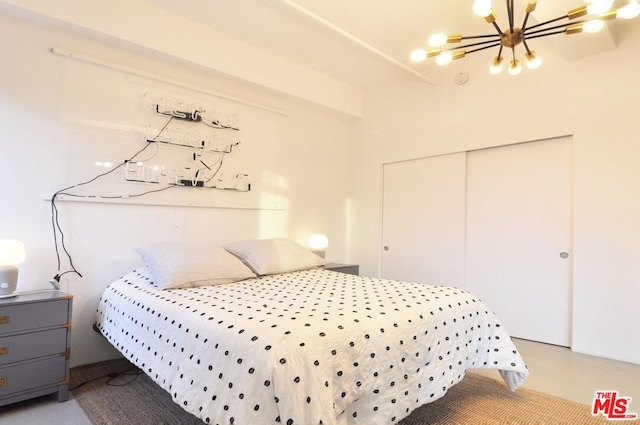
pixel 188 265
pixel 271 256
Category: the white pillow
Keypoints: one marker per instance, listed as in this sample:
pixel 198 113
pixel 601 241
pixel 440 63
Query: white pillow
pixel 188 265
pixel 270 256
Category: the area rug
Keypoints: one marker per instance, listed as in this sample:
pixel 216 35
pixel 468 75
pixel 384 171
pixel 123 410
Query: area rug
pixel 133 399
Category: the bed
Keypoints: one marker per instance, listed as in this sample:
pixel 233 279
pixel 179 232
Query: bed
pixel 309 346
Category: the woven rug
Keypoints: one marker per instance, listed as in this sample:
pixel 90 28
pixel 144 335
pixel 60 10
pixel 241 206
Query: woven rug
pixel 131 399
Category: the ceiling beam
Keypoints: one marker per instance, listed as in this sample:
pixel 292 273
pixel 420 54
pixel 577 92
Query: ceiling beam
pixel 356 40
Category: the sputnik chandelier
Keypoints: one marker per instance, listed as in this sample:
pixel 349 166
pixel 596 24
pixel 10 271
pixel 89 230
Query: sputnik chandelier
pixel 595 12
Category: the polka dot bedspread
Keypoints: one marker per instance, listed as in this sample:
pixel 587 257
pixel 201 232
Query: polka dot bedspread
pixel 308 347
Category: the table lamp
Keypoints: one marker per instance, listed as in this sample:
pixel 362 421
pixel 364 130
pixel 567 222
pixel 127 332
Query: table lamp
pixel 317 243
pixel 11 253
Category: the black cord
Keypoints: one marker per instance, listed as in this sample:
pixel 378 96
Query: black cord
pixel 135 375
pixel 162 129
pixel 55 214
pixel 112 376
pixel 217 169
pixel 54 218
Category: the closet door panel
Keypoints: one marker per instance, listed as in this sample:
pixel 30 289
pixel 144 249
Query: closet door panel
pixel 423 231
pixel 519 234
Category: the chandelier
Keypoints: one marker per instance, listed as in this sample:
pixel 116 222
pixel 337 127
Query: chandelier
pixel 593 15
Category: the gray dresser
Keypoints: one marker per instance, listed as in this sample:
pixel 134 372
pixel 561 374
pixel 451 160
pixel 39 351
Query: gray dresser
pixel 34 346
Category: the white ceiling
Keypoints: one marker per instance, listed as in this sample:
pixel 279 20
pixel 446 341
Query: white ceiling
pixel 368 42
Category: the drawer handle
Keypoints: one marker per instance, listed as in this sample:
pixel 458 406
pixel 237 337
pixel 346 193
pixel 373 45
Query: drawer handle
pixel 5 320
pixel 3 382
pixel 4 351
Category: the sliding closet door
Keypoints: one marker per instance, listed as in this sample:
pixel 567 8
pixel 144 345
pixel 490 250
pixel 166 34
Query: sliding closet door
pixel 519 225
pixel 423 220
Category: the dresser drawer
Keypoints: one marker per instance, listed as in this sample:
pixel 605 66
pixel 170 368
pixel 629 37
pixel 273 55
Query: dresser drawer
pixel 32 345
pixel 23 317
pixel 31 375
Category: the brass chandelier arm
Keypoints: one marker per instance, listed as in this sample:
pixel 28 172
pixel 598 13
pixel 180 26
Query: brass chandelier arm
pixel 571 15
pixel 497 27
pixel 469 37
pixel 602 17
pixel 526 19
pixel 490 43
pixel 550 21
pixel 529 33
pixel 486 47
pixel 531 37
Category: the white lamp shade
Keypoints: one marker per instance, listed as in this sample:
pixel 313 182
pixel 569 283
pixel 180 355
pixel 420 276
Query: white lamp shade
pixel 12 252
pixel 318 241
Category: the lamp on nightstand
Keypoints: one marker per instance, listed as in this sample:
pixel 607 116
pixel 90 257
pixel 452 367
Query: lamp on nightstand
pixel 318 243
pixel 11 253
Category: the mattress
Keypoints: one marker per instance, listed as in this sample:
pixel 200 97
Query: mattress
pixel 307 347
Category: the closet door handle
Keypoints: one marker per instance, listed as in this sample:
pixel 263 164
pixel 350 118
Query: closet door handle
pixel 564 254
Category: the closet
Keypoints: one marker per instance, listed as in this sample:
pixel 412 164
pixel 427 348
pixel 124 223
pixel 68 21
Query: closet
pixel 496 222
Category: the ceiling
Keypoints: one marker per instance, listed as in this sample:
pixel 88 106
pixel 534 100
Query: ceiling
pixel 367 42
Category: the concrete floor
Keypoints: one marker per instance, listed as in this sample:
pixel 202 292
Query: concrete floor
pixel 573 376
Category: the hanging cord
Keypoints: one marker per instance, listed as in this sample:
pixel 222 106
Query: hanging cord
pixel 55 222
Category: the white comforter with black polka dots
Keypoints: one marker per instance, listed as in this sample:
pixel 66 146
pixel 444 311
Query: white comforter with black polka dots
pixel 309 347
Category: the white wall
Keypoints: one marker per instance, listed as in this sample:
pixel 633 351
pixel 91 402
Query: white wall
pixel 596 101
pixel 314 175
pixel 140 24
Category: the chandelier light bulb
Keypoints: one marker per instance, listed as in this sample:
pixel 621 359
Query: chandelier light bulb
pixel 444 58
pixel 593 26
pixel 482 7
pixel 533 60
pixel 418 55
pixel 437 40
pixel 629 11
pixel 496 67
pixel 515 68
pixel 597 7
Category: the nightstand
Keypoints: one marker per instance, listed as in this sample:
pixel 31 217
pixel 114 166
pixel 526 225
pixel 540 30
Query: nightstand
pixel 34 346
pixel 343 268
